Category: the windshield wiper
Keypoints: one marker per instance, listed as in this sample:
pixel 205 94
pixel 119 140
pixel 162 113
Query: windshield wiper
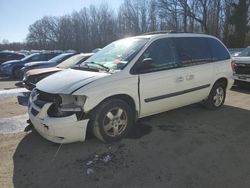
pixel 85 68
pixel 100 65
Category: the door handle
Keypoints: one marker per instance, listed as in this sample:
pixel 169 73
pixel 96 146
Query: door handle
pixel 190 77
pixel 180 79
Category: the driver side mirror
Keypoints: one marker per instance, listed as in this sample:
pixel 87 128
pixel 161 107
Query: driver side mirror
pixel 144 65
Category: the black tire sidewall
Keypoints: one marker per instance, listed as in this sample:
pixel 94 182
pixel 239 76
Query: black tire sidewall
pixel 210 101
pixel 101 113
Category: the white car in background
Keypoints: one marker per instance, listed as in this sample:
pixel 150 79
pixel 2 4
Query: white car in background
pixel 129 79
pixel 241 67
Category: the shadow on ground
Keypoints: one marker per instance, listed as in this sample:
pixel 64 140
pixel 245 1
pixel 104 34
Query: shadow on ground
pixel 243 89
pixel 187 147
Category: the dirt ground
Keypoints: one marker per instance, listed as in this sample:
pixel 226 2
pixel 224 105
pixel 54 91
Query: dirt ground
pixel 8 83
pixel 183 148
pixel 10 107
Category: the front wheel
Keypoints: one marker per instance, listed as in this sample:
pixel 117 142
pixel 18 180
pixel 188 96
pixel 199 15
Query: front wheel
pixel 112 120
pixel 216 97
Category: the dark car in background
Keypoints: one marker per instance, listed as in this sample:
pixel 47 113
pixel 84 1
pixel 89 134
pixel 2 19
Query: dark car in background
pixel 12 68
pixel 45 64
pixel 7 56
pixel 33 76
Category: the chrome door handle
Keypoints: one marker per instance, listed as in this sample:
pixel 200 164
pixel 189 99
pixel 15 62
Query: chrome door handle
pixel 180 79
pixel 190 77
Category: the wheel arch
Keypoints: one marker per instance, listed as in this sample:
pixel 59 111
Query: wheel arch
pixel 124 97
pixel 14 68
pixel 223 80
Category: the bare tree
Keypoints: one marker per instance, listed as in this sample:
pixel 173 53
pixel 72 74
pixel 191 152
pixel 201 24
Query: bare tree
pixel 94 26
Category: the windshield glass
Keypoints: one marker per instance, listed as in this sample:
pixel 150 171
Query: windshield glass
pixel 58 58
pixel 244 53
pixel 28 57
pixel 117 54
pixel 71 61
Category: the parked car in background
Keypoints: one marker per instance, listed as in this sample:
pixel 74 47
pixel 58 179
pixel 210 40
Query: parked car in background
pixel 129 79
pixel 44 64
pixel 6 56
pixel 31 77
pixel 241 67
pixel 12 68
pixel 235 51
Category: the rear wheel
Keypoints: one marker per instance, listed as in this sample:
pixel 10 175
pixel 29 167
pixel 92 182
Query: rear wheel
pixel 112 120
pixel 216 97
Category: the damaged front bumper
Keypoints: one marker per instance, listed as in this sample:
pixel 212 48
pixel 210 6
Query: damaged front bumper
pixel 57 129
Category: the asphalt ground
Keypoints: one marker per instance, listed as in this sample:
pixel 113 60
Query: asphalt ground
pixel 183 148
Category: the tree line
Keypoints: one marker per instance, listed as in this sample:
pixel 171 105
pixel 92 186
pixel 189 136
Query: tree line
pixel 96 26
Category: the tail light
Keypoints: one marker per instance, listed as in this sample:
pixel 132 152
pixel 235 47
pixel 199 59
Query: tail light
pixel 233 65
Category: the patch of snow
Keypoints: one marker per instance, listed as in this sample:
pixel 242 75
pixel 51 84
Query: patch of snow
pixel 13 124
pixel 13 92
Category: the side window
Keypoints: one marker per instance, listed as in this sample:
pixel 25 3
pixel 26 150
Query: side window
pixel 36 58
pixel 161 54
pixel 43 57
pixel 50 56
pixel 219 52
pixel 192 50
pixel 8 55
pixel 18 56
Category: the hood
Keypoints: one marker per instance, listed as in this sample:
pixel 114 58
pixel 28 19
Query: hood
pixel 42 71
pixel 11 61
pixel 35 63
pixel 67 81
pixel 242 59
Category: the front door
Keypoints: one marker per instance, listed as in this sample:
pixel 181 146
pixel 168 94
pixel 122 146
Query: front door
pixel 161 78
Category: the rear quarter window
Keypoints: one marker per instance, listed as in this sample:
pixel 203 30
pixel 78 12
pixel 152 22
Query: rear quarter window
pixel 193 50
pixel 219 52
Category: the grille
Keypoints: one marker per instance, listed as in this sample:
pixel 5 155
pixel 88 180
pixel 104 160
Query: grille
pixel 242 68
pixel 39 103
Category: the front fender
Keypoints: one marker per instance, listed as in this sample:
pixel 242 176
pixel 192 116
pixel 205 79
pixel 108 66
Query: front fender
pixel 97 94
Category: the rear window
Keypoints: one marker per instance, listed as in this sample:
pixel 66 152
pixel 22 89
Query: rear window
pixel 219 52
pixel 193 50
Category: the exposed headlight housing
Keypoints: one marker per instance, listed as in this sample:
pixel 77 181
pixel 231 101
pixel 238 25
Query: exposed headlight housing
pixel 70 105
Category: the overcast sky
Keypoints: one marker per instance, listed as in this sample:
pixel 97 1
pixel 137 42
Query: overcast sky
pixel 17 15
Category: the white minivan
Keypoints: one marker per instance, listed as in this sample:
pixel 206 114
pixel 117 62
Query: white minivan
pixel 129 79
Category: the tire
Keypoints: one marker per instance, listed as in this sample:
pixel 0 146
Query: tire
pixel 216 96
pixel 17 73
pixel 112 120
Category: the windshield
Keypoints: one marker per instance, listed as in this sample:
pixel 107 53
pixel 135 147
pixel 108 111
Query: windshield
pixel 117 54
pixel 71 61
pixel 58 58
pixel 245 53
pixel 28 57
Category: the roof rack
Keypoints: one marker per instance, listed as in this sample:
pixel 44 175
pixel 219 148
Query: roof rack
pixel 168 31
pixel 159 32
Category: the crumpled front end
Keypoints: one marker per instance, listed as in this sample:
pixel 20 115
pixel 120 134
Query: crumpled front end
pixel 56 121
